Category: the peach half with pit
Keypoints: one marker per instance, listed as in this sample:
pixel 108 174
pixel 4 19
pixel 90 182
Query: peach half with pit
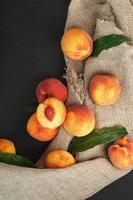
pixel 51 113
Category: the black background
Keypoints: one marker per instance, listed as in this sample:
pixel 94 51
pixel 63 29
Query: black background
pixel 30 33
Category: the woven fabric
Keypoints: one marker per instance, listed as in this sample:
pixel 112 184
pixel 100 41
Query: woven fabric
pixel 93 170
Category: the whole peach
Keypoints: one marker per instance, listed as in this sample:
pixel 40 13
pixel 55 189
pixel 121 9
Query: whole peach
pixel 121 153
pixel 104 89
pixel 51 113
pixel 51 87
pixel 38 132
pixel 59 159
pixel 79 121
pixel 7 146
pixel 77 44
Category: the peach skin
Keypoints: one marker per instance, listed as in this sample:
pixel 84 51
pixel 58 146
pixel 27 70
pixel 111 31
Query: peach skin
pixel 36 131
pixel 51 113
pixel 6 146
pixel 104 89
pixel 121 153
pixel 51 87
pixel 77 44
pixel 79 121
pixel 59 159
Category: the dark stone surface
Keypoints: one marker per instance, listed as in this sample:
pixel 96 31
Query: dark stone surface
pixel 30 33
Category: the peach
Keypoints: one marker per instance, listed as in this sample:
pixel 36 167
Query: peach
pixel 59 159
pixel 51 87
pixel 51 113
pixel 121 153
pixel 79 120
pixel 77 44
pixel 104 89
pixel 38 132
pixel 6 146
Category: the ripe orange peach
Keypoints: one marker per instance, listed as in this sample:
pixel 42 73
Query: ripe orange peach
pixel 77 44
pixel 6 146
pixel 79 120
pixel 51 87
pixel 38 132
pixel 51 113
pixel 59 159
pixel 104 89
pixel 121 153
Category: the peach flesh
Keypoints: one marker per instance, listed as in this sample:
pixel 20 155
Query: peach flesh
pixel 51 119
pixel 49 112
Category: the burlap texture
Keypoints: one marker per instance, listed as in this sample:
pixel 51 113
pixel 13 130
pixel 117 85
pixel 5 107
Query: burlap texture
pixel 84 179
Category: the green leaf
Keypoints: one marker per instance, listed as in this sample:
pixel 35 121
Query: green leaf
pixel 96 137
pixel 107 42
pixel 14 159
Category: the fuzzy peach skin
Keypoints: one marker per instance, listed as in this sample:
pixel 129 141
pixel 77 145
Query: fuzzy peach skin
pixel 51 113
pixel 6 146
pixel 36 131
pixel 77 44
pixel 104 89
pixel 121 153
pixel 59 159
pixel 79 121
pixel 51 87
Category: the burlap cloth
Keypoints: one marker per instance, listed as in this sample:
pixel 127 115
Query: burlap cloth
pixel 84 179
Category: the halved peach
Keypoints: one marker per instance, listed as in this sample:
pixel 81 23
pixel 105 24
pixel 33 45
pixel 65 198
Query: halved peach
pixel 51 113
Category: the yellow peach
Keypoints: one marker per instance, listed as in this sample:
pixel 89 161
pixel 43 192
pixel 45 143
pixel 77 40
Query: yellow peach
pixel 121 153
pixel 59 159
pixel 79 121
pixel 6 146
pixel 104 89
pixel 38 132
pixel 77 44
